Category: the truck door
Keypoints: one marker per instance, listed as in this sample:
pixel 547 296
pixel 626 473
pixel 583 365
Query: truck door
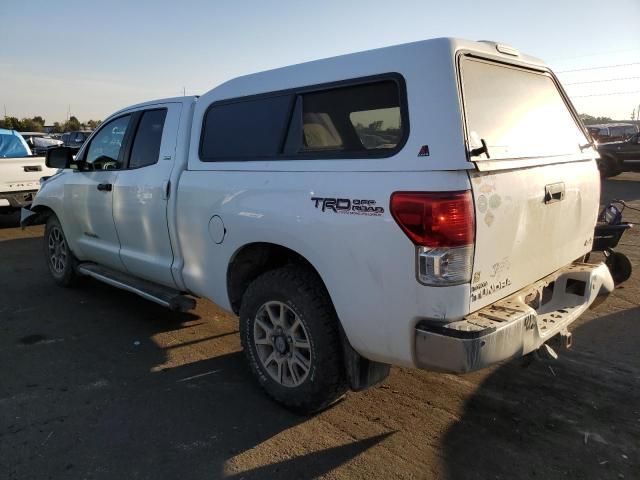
pixel 141 194
pixel 88 195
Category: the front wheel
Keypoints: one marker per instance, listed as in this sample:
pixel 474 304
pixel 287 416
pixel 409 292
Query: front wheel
pixel 60 259
pixel 289 332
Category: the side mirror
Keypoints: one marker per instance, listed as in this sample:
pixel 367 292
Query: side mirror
pixel 60 157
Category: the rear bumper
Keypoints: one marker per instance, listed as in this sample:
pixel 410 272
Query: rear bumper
pixel 17 199
pixel 515 325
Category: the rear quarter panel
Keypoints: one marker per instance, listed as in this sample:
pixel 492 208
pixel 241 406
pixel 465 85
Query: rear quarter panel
pixel 366 262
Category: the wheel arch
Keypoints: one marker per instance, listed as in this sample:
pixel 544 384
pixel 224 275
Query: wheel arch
pixel 256 258
pixel 40 215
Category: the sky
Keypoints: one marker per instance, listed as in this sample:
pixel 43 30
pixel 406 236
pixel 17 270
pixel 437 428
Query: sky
pixel 92 58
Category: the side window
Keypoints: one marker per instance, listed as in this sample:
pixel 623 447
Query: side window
pixel 105 150
pixel 359 120
pixel 245 129
pixel 146 145
pixel 352 119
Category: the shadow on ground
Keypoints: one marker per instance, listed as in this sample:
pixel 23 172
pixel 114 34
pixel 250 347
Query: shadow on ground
pixel 82 394
pixel 10 220
pixel 541 421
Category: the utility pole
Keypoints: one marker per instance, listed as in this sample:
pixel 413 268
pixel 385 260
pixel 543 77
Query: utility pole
pixel 184 91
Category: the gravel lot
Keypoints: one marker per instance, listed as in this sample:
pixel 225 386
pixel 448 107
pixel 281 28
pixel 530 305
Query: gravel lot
pixel 98 383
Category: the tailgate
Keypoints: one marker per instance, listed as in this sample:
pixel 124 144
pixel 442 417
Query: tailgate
pixel 18 174
pixel 529 223
pixel 537 188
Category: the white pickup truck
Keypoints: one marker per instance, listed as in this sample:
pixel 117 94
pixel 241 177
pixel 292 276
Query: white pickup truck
pixel 389 207
pixel 20 172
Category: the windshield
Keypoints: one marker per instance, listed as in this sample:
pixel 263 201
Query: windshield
pixel 518 113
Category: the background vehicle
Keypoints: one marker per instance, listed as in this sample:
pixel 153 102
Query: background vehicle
pixel 612 132
pixel 385 207
pixel 75 139
pixel 616 157
pixel 40 142
pixel 20 172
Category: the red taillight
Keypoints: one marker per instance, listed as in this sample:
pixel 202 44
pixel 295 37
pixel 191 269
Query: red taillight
pixel 435 219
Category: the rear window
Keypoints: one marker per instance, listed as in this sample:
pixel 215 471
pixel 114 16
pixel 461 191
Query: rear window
pixel 518 113
pixel 364 119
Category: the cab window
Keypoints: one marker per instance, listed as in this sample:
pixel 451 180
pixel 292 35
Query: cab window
pixel 105 151
pixel 146 145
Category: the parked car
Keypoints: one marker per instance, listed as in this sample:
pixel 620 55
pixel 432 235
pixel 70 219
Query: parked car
pixel 40 142
pixel 75 139
pixel 453 242
pixel 612 132
pixel 616 157
pixel 20 172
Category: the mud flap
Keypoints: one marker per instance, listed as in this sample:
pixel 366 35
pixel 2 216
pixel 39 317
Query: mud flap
pixel 361 372
pixel 29 217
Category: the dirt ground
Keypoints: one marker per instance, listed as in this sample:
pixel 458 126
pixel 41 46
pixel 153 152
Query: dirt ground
pixel 99 383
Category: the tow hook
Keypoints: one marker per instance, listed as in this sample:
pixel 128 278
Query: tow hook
pixel 563 339
pixel 547 351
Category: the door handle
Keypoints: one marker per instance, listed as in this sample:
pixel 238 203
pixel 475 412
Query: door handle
pixel 554 192
pixel 105 187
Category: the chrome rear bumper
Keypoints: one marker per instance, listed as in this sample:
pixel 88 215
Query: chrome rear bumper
pixel 512 327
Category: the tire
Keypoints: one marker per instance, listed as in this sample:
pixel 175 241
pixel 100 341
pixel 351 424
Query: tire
pixel 620 267
pixel 59 257
pixel 304 376
pixel 609 167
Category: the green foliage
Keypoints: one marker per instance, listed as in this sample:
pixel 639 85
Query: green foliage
pixel 591 120
pixel 36 124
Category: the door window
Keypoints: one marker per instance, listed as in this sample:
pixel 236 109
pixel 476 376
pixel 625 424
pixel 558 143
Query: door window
pixel 106 149
pixel 146 145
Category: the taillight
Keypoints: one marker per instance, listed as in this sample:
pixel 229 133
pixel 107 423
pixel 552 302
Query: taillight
pixel 438 219
pixel 442 226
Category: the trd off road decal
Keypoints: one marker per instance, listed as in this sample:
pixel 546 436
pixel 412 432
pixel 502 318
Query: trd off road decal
pixel 348 206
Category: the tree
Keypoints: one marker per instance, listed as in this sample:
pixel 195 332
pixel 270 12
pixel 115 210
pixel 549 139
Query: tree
pixel 36 124
pixel 591 120
pixel 72 124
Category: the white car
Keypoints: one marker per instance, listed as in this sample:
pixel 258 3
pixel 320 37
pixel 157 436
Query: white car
pixel 20 172
pixel 389 207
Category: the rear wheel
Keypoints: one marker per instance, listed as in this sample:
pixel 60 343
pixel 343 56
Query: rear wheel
pixel 60 260
pixel 289 331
